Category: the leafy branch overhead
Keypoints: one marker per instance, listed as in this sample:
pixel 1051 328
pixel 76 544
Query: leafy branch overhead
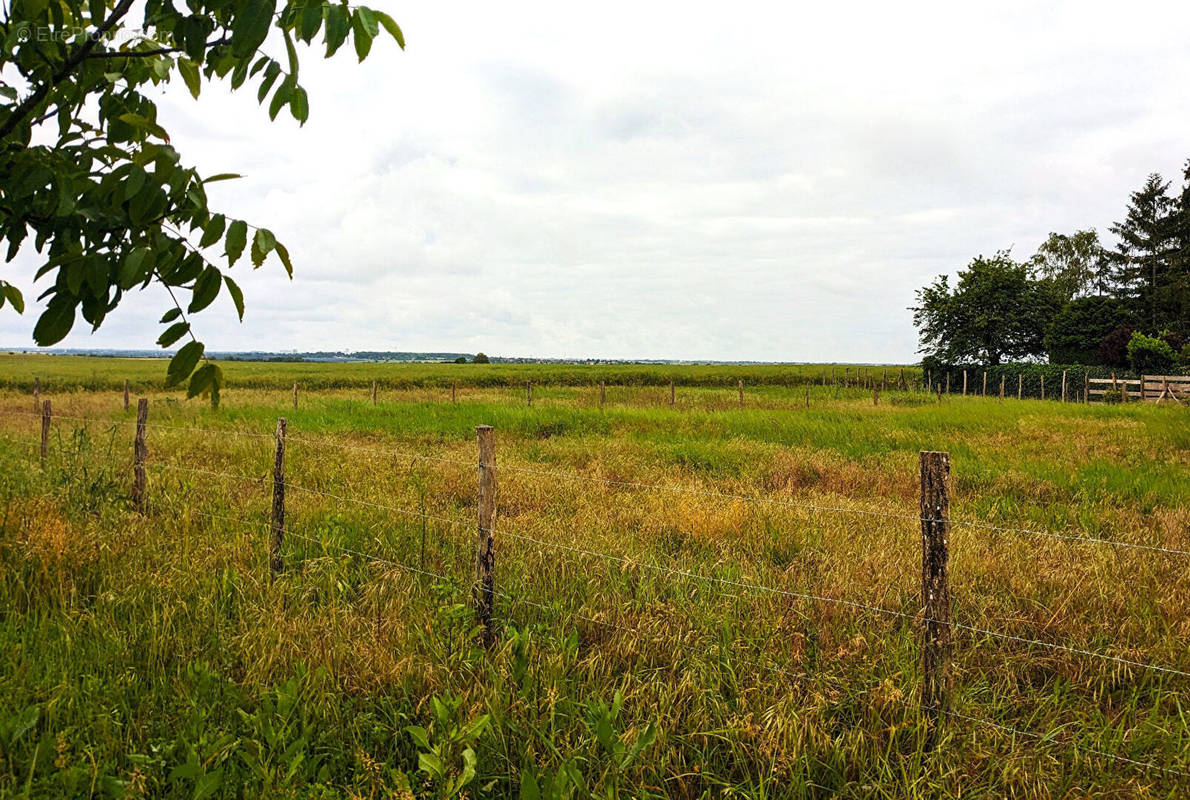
pixel 88 177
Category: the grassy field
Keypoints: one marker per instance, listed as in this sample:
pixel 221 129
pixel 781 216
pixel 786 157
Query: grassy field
pixel 695 601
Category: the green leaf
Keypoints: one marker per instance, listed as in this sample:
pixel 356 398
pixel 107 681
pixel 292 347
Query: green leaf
pixel 173 332
pixel 363 36
pixel 281 96
pixel 237 296
pixel 299 105
pixel 183 363
pixel 206 378
pixel 262 244
pixel 419 736
pixel 213 231
pixel 431 765
pixel 266 83
pixel 391 26
pixel 171 315
pixel 222 176
pixel 283 253
pixel 55 322
pixel 206 289
pixel 237 239
pixel 189 71
pixel 337 26
pixel 251 26
pixel 135 181
pixel 13 295
pixel 133 270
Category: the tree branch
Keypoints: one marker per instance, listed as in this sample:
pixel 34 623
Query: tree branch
pixel 160 51
pixel 31 102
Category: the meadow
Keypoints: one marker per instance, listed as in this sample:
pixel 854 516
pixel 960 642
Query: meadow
pixel 699 600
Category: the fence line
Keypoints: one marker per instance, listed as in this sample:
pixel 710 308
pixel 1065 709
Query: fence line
pixel 572 476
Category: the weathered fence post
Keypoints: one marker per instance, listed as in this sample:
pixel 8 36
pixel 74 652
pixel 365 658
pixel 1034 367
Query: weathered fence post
pixel 875 395
pixel 602 393
pixel 964 383
pixel 1063 386
pixel 373 392
pixel 1043 386
pixel 46 414
pixel 930 381
pixel 1020 384
pixel 277 529
pixel 1086 384
pixel 935 589
pixel 37 395
pixel 1001 386
pixel 985 383
pixel 125 394
pixel 948 381
pixel 295 395
pixel 529 393
pixel 140 451
pixel 485 586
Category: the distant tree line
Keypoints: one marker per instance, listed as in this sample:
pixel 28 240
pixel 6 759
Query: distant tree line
pixel 1075 300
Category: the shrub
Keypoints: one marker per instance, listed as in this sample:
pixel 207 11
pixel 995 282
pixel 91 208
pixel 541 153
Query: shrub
pixel 1112 396
pixel 480 358
pixel 461 360
pixel 1149 354
pixel 1113 350
pixel 1185 357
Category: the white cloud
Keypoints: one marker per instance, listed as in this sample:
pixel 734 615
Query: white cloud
pixel 674 180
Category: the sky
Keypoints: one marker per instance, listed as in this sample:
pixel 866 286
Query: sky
pixel 743 181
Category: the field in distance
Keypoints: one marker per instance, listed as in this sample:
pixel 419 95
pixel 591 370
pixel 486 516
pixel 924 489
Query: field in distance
pixel 690 599
pixel 18 370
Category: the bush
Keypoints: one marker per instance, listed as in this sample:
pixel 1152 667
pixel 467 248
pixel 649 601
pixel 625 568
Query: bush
pixel 1113 396
pixel 1113 350
pixel 461 360
pixel 1149 354
pixel 1185 357
pixel 480 358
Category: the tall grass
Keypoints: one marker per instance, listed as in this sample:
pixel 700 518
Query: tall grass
pixel 154 657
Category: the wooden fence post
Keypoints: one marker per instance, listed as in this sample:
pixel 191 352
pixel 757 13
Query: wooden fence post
pixel 930 381
pixel 46 415
pixel 1086 384
pixel 373 392
pixel 37 395
pixel 1063 386
pixel 1001 386
pixel 529 393
pixel 741 385
pixel 1020 384
pixel 875 395
pixel 1043 386
pixel 935 589
pixel 277 529
pixel 985 383
pixel 140 451
pixel 295 395
pixel 485 585
pixel 125 394
pixel 948 381
pixel 964 383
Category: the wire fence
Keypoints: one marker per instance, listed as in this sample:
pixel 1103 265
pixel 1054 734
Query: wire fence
pixel 731 587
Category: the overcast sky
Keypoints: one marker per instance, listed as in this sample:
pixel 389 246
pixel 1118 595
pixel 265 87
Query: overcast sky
pixel 727 181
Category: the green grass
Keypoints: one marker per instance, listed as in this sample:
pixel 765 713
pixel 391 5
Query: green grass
pixel 154 657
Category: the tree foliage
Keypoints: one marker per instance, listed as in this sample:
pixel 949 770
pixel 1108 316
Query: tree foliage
pixel 1087 299
pixel 996 311
pixel 88 177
